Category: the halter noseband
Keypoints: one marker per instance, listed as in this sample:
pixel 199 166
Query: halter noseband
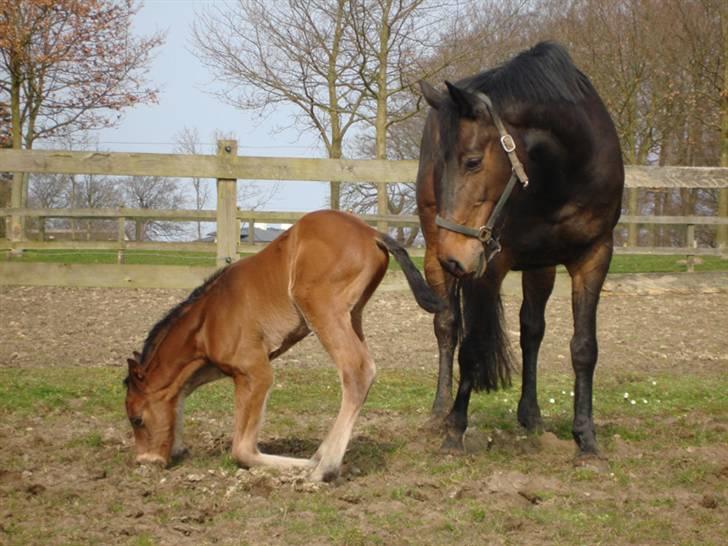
pixel 484 234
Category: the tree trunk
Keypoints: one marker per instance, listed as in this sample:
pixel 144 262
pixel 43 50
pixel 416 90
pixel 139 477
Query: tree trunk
pixel 380 122
pixel 16 191
pixel 722 235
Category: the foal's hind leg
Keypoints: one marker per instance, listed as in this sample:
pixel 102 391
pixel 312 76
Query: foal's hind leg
pixel 587 278
pixel 340 334
pixel 252 385
pixel 537 287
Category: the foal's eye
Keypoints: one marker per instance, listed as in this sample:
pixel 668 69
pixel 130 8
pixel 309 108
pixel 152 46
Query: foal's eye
pixel 136 421
pixel 473 163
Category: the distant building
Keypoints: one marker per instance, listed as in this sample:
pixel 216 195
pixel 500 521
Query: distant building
pixel 262 234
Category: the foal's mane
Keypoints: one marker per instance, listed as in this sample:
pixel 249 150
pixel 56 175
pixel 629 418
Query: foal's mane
pixel 159 330
pixel 545 73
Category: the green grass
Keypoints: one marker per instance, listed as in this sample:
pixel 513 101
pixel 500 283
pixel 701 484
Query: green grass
pixel 99 391
pixel 406 488
pixel 620 263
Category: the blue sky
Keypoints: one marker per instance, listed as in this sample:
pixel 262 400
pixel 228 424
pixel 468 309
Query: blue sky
pixel 184 102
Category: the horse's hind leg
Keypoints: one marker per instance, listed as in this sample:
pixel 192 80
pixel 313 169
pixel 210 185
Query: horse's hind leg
pixel 341 335
pixel 537 286
pixel 587 278
pixel 252 385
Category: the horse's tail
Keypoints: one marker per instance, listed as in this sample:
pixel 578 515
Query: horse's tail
pixel 424 295
pixel 485 353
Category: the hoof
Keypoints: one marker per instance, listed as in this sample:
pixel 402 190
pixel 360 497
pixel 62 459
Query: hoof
pixel 453 444
pixel 324 475
pixel 180 453
pixel 148 459
pixel 529 417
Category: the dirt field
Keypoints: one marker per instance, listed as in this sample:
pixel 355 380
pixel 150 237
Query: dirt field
pixel 66 472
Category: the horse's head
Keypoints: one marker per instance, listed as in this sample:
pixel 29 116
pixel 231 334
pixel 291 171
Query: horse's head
pixel 475 172
pixel 151 416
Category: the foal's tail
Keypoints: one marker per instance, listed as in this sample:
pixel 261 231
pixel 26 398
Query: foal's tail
pixel 424 295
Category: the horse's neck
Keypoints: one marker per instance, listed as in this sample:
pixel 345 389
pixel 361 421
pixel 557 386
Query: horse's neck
pixel 173 361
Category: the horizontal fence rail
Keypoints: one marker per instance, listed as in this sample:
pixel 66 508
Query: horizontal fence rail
pixel 296 168
pixel 226 167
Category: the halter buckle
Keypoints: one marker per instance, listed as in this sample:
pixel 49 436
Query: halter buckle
pixel 509 145
pixel 484 234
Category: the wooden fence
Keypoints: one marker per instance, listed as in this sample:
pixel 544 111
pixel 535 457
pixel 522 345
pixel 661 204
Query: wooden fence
pixel 227 168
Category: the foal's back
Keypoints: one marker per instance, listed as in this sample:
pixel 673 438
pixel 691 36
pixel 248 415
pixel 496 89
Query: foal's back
pixel 327 260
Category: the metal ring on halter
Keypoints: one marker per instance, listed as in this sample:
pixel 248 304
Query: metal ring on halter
pixel 509 145
pixel 484 234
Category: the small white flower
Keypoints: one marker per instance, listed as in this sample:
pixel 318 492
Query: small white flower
pixel 571 394
pixel 654 383
pixel 632 402
pixel 626 395
pixel 552 401
pixel 644 400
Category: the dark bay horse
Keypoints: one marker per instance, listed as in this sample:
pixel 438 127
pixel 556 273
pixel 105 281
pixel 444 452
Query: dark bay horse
pixel 315 277
pixel 520 169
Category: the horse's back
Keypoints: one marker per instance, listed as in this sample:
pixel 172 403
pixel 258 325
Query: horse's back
pixel 335 252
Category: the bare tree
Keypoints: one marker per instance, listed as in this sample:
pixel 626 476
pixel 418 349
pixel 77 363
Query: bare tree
pixel 153 192
pixel 66 66
pixel 294 52
pixel 188 142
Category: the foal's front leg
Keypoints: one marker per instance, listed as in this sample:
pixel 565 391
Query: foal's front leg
pixel 206 374
pixel 252 385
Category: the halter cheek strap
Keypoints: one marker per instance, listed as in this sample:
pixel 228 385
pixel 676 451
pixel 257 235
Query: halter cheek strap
pixel 484 234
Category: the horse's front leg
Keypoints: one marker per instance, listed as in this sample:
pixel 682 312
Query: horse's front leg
pixel 537 287
pixel 587 276
pixel 446 328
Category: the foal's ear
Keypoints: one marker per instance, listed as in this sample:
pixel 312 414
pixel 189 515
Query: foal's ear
pixel 432 95
pixel 469 105
pixel 135 369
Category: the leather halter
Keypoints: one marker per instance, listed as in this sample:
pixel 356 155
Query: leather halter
pixel 484 234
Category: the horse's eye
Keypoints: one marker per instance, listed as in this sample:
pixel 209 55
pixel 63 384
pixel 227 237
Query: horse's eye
pixel 473 163
pixel 136 421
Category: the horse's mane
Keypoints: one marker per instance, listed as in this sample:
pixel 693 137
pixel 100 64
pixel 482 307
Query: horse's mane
pixel 156 334
pixel 545 73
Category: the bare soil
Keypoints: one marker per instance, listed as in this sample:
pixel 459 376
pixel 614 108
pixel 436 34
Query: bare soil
pixel 67 476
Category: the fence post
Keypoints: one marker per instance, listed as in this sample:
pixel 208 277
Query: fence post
pixel 691 243
pixel 228 235
pixel 722 238
pixel 16 223
pixel 382 206
pixel 121 236
pixel 632 206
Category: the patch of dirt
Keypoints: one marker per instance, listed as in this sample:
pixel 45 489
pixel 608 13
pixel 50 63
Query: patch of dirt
pixel 397 487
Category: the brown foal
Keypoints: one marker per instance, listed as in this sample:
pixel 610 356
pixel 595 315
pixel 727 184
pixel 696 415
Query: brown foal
pixel 316 277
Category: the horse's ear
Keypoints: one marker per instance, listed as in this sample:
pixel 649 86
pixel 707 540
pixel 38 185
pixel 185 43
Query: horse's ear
pixel 432 95
pixel 468 103
pixel 135 369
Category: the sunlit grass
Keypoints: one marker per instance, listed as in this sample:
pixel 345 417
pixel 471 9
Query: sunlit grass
pixel 620 263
